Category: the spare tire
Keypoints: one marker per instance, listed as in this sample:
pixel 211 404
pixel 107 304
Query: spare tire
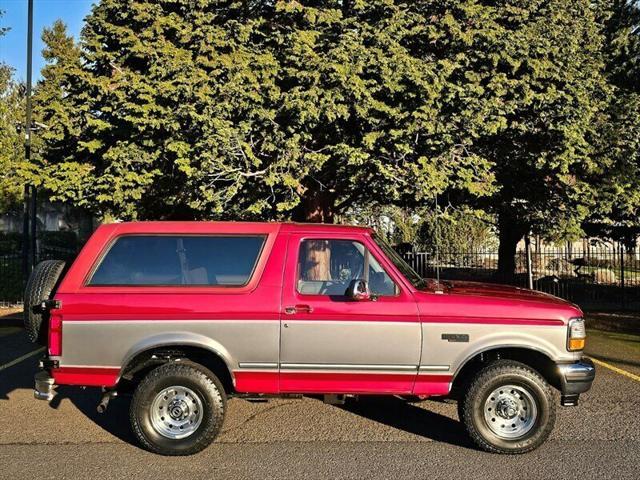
pixel 43 280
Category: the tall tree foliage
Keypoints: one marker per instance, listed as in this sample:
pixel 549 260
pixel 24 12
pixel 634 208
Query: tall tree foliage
pixel 534 71
pixel 619 199
pixel 211 109
pixel 57 107
pixel 199 109
pixel 11 138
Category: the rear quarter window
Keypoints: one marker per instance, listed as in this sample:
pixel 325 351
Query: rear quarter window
pixel 175 260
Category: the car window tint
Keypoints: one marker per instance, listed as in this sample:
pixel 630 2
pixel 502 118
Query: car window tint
pixel 327 267
pixel 179 260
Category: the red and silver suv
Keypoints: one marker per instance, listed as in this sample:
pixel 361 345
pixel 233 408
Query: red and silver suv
pixel 186 314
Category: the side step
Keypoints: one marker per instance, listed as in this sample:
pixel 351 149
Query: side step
pixel 262 398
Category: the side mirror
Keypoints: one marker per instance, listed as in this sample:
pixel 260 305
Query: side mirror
pixel 358 290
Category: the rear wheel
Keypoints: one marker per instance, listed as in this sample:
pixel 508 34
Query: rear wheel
pixel 40 287
pixel 178 409
pixel 508 408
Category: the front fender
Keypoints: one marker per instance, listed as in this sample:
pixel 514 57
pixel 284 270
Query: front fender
pixel 438 351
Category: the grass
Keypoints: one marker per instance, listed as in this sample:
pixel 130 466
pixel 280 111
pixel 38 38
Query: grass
pixel 614 322
pixel 615 347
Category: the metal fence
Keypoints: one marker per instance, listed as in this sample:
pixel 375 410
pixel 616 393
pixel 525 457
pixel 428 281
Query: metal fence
pixel 595 277
pixel 12 280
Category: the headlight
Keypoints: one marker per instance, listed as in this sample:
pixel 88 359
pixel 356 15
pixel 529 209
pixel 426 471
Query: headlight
pixel 576 335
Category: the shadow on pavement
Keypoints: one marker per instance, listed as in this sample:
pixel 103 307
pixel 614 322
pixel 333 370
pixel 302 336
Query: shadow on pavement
pixel 115 420
pixel 20 377
pixel 10 318
pixel 391 411
pixel 398 413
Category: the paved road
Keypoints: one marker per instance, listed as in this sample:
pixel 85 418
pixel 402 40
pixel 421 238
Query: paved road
pixel 375 438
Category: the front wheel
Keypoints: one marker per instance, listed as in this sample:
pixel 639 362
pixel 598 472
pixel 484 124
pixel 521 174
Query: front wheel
pixel 508 408
pixel 178 409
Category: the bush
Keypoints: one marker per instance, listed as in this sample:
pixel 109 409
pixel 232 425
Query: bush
pixel 11 281
pixel 59 239
pixel 456 232
pixel 61 245
pixel 10 243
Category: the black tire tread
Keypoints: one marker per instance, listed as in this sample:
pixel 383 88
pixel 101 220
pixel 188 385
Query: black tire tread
pixel 191 370
pixel 41 285
pixel 496 368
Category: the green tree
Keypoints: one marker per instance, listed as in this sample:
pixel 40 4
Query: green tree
pixel 11 138
pixel 532 72
pixel 54 108
pixel 619 143
pixel 201 109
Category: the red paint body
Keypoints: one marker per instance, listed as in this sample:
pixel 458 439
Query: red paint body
pixel 271 288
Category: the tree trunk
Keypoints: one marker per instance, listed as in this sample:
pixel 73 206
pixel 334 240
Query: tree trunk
pixel 316 265
pixel 510 233
pixel 317 207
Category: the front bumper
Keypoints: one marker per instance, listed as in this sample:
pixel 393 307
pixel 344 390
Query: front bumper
pixel 575 378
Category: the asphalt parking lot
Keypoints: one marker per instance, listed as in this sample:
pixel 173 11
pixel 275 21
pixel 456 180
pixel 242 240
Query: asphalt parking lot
pixel 373 438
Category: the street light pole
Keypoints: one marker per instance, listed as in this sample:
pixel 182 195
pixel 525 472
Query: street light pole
pixel 29 240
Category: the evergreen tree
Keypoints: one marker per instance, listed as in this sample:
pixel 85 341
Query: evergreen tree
pixel 200 109
pixel 208 109
pixel 532 74
pixel 618 215
pixel 11 139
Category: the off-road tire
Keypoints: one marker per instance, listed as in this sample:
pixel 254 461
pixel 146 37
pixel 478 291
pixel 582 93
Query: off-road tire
pixel 177 373
pixel 40 287
pixel 494 375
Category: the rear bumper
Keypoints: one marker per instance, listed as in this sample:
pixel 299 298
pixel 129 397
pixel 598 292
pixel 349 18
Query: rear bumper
pixel 44 386
pixel 575 378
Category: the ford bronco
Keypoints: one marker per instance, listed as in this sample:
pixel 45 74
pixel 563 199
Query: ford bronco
pixel 183 315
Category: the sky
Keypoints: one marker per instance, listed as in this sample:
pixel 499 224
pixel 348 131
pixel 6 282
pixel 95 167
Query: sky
pixel 13 45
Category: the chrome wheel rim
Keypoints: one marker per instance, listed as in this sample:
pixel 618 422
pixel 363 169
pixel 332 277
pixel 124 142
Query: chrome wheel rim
pixel 510 411
pixel 176 412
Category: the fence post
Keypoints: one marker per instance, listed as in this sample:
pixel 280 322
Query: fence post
pixel 527 247
pixel 622 274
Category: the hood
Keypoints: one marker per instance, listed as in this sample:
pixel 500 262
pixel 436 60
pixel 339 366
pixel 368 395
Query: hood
pixel 462 287
pixel 501 295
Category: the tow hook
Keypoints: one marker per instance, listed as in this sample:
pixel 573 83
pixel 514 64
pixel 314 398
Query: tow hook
pixel 104 401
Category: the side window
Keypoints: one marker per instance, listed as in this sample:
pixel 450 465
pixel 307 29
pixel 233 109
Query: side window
pixel 170 260
pixel 327 267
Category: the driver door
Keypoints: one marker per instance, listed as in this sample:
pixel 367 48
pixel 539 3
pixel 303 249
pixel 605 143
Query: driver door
pixel 331 343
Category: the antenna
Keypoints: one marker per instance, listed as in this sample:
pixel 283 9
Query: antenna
pixel 437 234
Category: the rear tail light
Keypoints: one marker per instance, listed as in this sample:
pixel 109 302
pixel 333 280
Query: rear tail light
pixel 55 335
pixel 576 335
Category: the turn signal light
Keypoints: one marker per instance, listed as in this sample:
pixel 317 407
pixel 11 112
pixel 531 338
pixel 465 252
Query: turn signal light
pixel 576 334
pixel 576 344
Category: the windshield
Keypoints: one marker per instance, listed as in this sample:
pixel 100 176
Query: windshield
pixel 399 262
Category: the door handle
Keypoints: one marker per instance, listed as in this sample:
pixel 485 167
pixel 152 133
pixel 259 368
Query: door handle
pixel 298 309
